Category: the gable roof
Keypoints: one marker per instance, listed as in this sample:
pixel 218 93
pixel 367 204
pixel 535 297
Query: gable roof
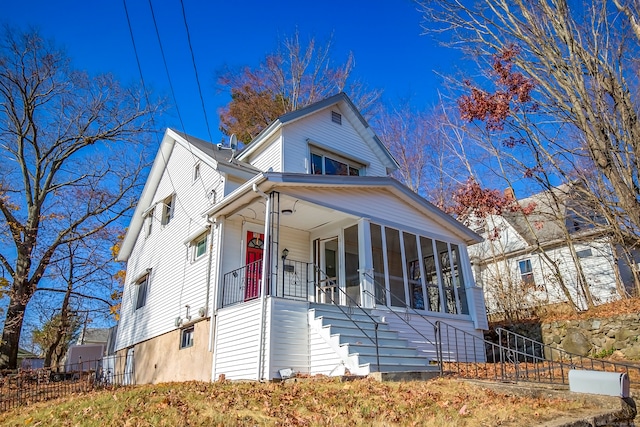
pixel 268 181
pixel 219 159
pixel 548 222
pixel 351 113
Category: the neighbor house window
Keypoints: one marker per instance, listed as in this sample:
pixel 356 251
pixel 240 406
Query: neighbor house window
pixel 167 209
pixel 526 272
pixel 199 246
pixel 329 164
pixel 585 253
pixel 142 287
pixel 186 338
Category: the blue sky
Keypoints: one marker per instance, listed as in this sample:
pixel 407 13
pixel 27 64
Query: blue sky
pixel 384 36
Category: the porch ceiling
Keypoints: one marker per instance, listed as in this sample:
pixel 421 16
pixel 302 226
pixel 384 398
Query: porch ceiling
pixel 304 215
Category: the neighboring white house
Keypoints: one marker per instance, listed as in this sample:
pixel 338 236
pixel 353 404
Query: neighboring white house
pixel 515 263
pixel 298 253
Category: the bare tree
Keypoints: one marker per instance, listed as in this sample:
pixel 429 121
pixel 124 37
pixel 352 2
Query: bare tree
pixel 72 149
pixel 582 60
pixel 293 77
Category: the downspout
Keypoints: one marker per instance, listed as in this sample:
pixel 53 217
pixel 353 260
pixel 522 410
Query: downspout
pixel 265 272
pixel 212 227
pixel 213 323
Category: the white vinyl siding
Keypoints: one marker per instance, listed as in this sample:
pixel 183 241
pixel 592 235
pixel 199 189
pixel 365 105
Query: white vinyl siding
pixel 269 156
pixel 289 340
pixel 599 270
pixel 175 281
pixel 237 341
pixel 323 132
pixel 323 359
pixel 381 207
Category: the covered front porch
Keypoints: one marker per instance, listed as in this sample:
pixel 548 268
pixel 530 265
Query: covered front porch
pixel 292 247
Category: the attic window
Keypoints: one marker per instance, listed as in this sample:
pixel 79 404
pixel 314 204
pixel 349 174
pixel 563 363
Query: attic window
pixel 336 117
pixel 149 222
pixel 167 209
pixel 196 172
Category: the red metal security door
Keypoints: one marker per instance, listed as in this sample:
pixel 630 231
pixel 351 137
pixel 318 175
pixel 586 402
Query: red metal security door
pixel 255 245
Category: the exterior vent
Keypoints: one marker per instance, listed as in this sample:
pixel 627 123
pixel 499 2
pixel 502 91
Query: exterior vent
pixel 336 117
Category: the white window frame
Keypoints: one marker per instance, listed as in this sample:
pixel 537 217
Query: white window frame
pixel 148 222
pixel 187 337
pixel 142 291
pixel 526 277
pixel 324 155
pixel 168 208
pixel 197 173
pixel 203 238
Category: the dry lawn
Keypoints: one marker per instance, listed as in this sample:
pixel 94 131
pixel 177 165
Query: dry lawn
pixel 307 402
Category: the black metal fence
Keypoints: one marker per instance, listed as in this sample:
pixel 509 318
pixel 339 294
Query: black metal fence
pixel 514 358
pixel 26 386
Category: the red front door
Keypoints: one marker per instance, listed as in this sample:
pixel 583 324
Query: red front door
pixel 254 249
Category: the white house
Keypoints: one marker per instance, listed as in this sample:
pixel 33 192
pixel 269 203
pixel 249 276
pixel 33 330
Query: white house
pixel 298 253
pixel 516 263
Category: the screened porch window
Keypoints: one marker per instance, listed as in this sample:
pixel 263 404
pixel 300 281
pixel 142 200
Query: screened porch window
pixel 414 270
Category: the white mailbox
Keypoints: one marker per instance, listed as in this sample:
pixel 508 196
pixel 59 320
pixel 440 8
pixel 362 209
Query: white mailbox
pixel 599 382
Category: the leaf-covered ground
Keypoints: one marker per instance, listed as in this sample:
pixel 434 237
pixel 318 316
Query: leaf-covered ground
pixel 308 402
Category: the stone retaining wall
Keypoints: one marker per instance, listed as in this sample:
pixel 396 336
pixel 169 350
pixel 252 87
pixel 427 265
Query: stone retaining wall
pixel 594 337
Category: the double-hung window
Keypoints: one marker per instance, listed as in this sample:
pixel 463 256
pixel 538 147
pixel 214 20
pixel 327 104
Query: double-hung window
pixel 199 245
pixel 142 289
pixel 526 273
pixel 167 209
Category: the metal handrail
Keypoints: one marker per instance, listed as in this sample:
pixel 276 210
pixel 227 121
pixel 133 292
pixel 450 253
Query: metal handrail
pixel 407 307
pixel 234 283
pixel 354 303
pixel 536 351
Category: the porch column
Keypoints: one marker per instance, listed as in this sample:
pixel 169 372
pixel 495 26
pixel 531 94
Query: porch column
pixel 367 291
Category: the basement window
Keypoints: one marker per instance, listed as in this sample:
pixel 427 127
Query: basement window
pixel 186 337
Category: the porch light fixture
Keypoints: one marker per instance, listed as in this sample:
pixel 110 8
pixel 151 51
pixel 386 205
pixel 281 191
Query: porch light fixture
pixel 286 211
pixel 285 254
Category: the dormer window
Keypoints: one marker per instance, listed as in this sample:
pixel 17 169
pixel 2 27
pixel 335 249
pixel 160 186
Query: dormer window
pixel 329 164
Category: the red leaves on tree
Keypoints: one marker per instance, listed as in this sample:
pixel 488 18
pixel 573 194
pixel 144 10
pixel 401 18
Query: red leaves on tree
pixel 494 108
pixel 471 198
